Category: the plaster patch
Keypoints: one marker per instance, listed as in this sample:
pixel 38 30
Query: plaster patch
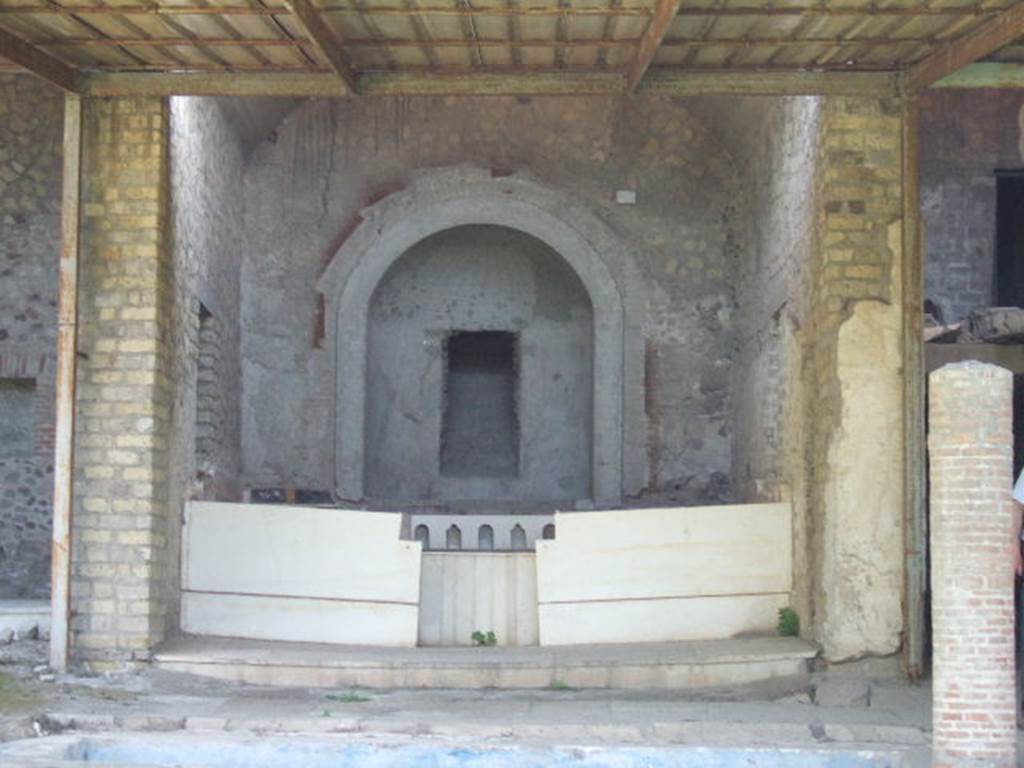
pixel 864 499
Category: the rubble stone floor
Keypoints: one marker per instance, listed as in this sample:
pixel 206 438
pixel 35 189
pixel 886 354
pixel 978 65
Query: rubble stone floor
pixel 814 712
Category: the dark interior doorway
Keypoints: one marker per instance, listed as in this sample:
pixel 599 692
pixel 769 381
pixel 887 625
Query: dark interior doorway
pixel 1009 273
pixel 480 425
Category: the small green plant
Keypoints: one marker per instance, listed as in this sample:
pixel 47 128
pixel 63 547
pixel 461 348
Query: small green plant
pixel 789 622
pixel 487 639
pixel 348 697
pixel 560 685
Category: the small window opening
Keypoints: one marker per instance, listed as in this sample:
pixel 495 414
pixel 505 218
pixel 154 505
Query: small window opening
pixel 480 421
pixel 485 538
pixel 453 538
pixel 549 531
pixel 422 535
pixel 518 538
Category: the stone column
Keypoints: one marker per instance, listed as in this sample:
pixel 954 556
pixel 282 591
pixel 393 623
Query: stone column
pixel 121 561
pixel 857 386
pixel 970 447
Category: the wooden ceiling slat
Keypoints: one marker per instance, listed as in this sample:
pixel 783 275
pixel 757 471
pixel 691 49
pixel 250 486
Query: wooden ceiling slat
pixel 94 29
pixel 610 25
pixel 374 30
pixel 229 29
pixel 422 34
pixel 562 35
pixel 513 33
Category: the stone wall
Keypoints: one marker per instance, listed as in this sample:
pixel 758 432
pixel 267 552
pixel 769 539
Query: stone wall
pixel 773 141
pixel 31 120
pixel 206 198
pixel 966 135
pixel 330 159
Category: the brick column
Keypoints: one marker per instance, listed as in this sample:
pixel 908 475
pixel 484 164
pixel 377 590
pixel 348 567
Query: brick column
pixel 121 560
pixel 970 447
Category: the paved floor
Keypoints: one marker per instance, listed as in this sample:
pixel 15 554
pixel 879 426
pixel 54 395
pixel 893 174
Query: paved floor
pixel 807 711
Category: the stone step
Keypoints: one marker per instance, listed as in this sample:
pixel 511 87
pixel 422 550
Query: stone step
pixel 24 619
pixel 691 664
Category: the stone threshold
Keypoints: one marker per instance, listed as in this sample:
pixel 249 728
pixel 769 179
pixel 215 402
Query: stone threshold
pixel 689 664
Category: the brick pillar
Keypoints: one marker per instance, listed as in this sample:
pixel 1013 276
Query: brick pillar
pixel 970 445
pixel 120 557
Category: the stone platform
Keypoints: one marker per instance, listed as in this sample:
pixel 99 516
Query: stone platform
pixel 679 665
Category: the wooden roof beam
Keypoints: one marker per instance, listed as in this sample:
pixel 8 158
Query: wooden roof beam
pixel 664 13
pixel 998 31
pixel 41 64
pixel 516 83
pixel 325 41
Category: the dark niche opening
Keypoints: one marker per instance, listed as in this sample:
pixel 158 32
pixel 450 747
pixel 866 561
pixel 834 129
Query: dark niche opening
pixel 480 423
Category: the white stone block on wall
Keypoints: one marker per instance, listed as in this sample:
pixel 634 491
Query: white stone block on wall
pixel 647 575
pixel 299 573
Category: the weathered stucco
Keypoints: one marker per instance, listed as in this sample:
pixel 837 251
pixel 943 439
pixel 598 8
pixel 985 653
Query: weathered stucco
pixel 862 567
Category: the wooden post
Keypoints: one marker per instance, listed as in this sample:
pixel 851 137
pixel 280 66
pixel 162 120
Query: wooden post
pixel 913 393
pixel 67 336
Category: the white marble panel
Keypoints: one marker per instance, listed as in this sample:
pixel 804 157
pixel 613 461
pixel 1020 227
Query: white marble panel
pixel 299 619
pixel 463 592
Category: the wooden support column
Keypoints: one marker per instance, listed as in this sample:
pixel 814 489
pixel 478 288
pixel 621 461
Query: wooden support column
pixel 67 339
pixel 913 394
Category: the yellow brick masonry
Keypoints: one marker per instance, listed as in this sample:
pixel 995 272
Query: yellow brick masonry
pixel 120 556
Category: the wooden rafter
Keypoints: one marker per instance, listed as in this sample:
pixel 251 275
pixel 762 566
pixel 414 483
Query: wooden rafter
pixel 422 32
pixel 325 41
pixel 513 33
pixel 993 34
pixel 839 10
pixel 375 10
pixel 610 25
pixel 664 12
pixel 37 62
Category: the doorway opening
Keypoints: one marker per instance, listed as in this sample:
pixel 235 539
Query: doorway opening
pixel 480 422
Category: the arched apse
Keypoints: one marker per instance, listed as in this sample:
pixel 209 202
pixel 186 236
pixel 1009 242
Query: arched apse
pixel 452 198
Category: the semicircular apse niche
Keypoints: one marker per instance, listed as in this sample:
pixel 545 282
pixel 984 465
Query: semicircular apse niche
pixel 479 373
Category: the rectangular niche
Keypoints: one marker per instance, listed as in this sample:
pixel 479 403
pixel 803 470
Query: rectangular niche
pixel 480 421
pixel 17 417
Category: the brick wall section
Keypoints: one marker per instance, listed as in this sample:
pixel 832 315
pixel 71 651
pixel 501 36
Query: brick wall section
pixel 966 135
pixel 971 454
pixel 122 564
